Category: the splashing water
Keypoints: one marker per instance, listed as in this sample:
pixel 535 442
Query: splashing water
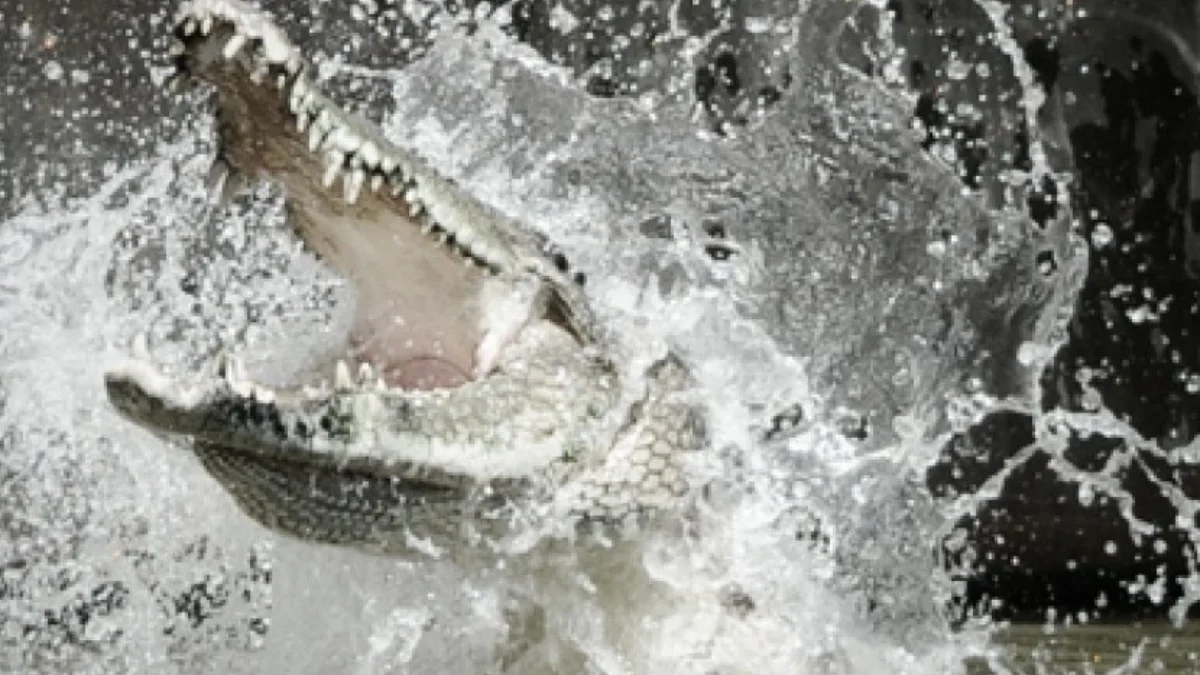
pixel 120 555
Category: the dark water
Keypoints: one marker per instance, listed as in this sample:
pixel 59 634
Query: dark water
pixel 1119 648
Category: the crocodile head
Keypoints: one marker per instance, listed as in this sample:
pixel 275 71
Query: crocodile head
pixel 473 383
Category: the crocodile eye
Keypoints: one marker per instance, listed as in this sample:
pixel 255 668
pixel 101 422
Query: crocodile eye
pixel 560 261
pixel 718 252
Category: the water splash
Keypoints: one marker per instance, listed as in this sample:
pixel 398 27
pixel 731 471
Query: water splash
pixel 111 563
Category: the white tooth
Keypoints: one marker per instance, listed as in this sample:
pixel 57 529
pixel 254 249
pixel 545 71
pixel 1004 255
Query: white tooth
pixel 218 175
pixel 234 45
pixel 369 154
pixel 189 26
pixel 347 140
pixel 302 119
pixel 314 137
pixel 342 376
pixel 296 97
pixel 206 25
pixel 220 364
pixel 141 347
pixel 281 81
pixel 380 385
pixel 259 73
pixel 352 185
pixel 177 48
pixel 427 227
pixel 366 374
pixel 331 169
pixel 508 309
pixel 275 45
pixel 230 368
pixel 410 195
pixel 387 164
pixel 376 182
pixel 415 208
pixel 263 395
pixel 324 122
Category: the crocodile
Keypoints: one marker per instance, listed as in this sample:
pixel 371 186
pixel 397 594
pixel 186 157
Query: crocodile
pixel 479 391
pixel 475 384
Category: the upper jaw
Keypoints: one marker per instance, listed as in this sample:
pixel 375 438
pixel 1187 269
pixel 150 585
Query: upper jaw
pixel 375 212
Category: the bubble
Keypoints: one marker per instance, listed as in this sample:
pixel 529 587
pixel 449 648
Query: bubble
pixel 53 71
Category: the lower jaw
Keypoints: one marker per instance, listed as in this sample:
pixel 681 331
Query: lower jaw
pixel 424 374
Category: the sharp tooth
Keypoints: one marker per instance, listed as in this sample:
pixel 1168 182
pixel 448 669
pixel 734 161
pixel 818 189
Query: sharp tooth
pixel 189 26
pixel 331 169
pixel 315 136
pixel 259 73
pixel 369 154
pixel 427 227
pixel 302 120
pixel 206 25
pixel 296 97
pixel 352 185
pixel 380 385
pixel 177 48
pixel 230 368
pixel 281 81
pixel 376 182
pixel 262 395
pixel 410 195
pixel 366 374
pixel 323 122
pixel 218 175
pixel 342 376
pixel 141 347
pixel 415 208
pixel 346 139
pixel 234 45
pixel 463 237
pixel 387 164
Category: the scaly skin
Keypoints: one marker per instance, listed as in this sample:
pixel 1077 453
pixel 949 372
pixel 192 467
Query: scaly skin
pixel 553 436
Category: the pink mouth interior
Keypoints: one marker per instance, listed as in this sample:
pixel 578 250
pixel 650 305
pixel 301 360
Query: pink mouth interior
pixel 418 314
pixel 418 320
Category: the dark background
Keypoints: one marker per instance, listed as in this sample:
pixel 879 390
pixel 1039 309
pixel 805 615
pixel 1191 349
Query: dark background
pixel 1121 117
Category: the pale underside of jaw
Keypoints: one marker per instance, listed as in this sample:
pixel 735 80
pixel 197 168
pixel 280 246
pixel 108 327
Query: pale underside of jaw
pixel 438 293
